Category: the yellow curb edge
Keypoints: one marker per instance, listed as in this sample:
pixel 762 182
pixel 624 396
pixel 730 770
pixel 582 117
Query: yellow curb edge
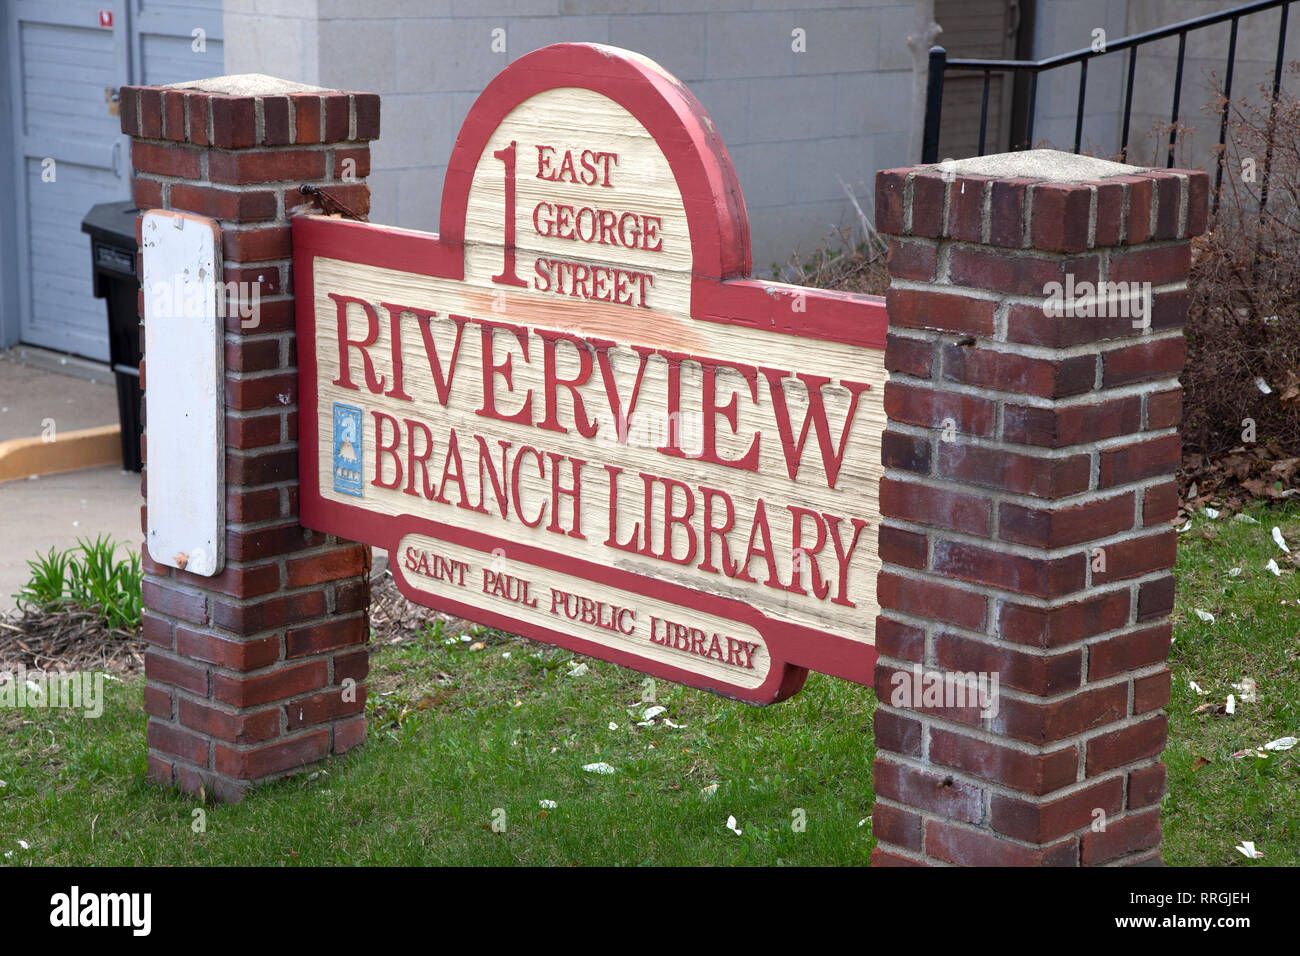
pixel 70 451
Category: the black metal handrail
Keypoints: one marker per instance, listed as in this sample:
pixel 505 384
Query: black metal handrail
pixel 939 64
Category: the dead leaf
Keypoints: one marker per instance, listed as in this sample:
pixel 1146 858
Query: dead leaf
pixel 1199 762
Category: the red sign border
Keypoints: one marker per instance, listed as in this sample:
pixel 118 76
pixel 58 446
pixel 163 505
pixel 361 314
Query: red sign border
pixel 720 292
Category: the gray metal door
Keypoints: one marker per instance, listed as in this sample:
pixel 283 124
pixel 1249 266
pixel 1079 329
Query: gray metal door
pixel 66 61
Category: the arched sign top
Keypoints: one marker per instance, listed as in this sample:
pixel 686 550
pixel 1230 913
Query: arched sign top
pixel 673 120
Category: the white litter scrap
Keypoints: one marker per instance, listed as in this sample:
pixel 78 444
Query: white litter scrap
pixel 1263 385
pixel 1282 743
pixel 601 767
pixel 1197 687
pixel 1211 513
pixel 1248 689
pixel 1231 706
pixel 1234 572
pixel 613 726
pixel 578 670
pixel 731 825
pixel 547 804
pixel 1281 541
pixel 1272 566
pixel 1247 849
pixel 1205 616
pixel 650 713
pixel 1185 527
pixel 1244 518
pixel 709 791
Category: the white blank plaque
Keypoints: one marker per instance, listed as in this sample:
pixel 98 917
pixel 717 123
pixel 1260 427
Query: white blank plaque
pixel 184 391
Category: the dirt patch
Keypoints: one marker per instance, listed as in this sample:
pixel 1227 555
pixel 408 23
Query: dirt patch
pixel 67 640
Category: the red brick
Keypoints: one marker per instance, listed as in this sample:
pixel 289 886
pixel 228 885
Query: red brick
pixel 891 186
pixel 160 771
pixel 1007 212
pixel 324 707
pixel 1168 202
pixel 883 858
pixel 147 193
pixel 254 432
pixel 1136 556
pixel 919 405
pixel 1039 674
pixel 1012 372
pixel 946 312
pixel 266 166
pixel 1151 692
pixel 366 106
pixel 157 702
pixel 909 356
pixel 1165 409
pixel 1047 722
pixel 1131 834
pixel 261 543
pixel 905 452
pixel 895 826
pixel 1159 265
pixel 1028 772
pixel 1063 624
pixel 349 734
pixel 237 727
pixel 896 732
pixel 174 602
pixel 240 655
pixel 238 204
pixel 936 507
pixel 233 121
pixel 157 631
pixel 150 112
pixel 930 599
pixel 927 204
pixel 274 612
pixel 1128 745
pixel 337 107
pixel 966 208
pixel 252 355
pixel 358 157
pixel 1156 598
pixel 1058 220
pixel 262 468
pixel 1042 577
pixel 129 110
pixel 1198 201
pixel 1010 471
pixel 251 506
pixel 342 562
pixel 307 117
pixel 1162 358
pixel 200 115
pixel 280 684
pixel 1155 458
pixel 1033 325
pixel 354 665
pixel 934 793
pixel 1109 215
pixel 905 689
pixel 965 846
pixel 1043 822
pixel 265 391
pixel 179 673
pixel 1138 221
pixel 1016 273
pixel 1063 425
pixel 301 641
pixel 177 742
pixel 268 759
pixel 1126 652
pixel 165 159
pixel 912 259
pixel 256 245
pixel 276 128
pixel 1146 786
pixel 1059 527
pixel 905 548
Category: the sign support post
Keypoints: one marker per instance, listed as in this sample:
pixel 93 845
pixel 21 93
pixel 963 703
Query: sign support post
pixel 261 668
pixel 1026 507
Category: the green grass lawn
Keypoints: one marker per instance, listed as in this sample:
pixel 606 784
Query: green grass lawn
pixel 461 739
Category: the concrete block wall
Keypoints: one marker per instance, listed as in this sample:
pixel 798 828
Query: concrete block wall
pixel 795 123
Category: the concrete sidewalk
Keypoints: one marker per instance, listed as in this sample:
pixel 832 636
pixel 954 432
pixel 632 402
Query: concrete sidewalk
pixel 37 514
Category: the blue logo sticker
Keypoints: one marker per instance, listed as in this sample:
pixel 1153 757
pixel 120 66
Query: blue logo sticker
pixel 347 449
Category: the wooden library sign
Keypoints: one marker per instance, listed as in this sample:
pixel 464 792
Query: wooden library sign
pixel 571 415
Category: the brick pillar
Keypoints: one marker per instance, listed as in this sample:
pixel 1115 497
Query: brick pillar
pixel 245 673
pixel 1026 504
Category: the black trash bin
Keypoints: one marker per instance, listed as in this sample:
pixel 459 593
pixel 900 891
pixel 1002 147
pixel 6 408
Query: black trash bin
pixel 111 226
